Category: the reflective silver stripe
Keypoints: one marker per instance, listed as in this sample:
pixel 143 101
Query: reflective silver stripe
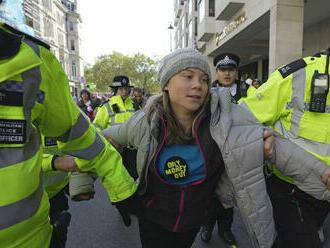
pixel 130 110
pixel 22 210
pixel 111 115
pixel 297 98
pixel 89 152
pixel 322 149
pixel 14 155
pixel 76 131
pixel 307 104
pixel 33 45
pixel 98 126
pixel 31 80
pixel 54 179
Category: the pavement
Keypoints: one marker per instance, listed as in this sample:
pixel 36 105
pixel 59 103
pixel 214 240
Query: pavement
pixel 97 224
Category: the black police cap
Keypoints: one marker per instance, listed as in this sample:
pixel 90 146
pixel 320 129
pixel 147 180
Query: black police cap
pixel 226 60
pixel 120 81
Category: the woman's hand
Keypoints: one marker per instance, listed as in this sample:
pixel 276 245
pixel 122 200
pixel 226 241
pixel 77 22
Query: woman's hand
pixel 326 177
pixel 269 143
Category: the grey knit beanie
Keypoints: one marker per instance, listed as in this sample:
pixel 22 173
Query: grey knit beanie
pixel 180 60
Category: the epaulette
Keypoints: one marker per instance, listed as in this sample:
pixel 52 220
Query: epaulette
pixel 11 44
pixel 292 67
pixel 104 102
pixel 26 36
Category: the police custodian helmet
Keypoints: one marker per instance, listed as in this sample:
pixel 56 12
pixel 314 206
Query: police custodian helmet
pixel 120 81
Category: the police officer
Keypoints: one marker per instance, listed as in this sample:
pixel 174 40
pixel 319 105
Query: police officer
pixel 117 110
pixel 31 81
pixel 226 65
pixel 119 107
pixel 295 100
pixel 56 187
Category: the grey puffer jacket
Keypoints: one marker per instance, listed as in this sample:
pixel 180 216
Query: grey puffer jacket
pixel 240 140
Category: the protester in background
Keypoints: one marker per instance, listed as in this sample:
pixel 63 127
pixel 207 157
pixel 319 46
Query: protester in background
pixel 187 138
pixel 139 100
pixel 74 97
pixel 87 104
pixel 256 83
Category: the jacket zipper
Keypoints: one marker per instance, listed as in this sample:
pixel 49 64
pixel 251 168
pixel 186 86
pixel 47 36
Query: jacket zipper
pixel 180 210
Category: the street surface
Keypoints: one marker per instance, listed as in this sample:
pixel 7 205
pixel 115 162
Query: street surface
pixel 97 224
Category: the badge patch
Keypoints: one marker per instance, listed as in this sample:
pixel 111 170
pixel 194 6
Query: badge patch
pixel 292 67
pixel 50 141
pixel 12 131
pixel 10 98
pixel 176 168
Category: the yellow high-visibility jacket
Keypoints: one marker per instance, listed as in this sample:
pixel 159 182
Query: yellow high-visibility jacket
pixel 53 181
pixel 283 102
pixel 34 99
pixel 114 112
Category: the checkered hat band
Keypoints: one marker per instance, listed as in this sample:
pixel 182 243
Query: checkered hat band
pixel 226 61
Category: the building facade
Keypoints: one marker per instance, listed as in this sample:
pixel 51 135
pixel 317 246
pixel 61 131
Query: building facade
pixel 57 22
pixel 264 33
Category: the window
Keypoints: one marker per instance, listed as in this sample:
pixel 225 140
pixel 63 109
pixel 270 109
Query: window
pixel 60 38
pixel 72 45
pixel 71 26
pixel 201 10
pixel 74 70
pixel 29 21
pixel 48 27
pixel 211 8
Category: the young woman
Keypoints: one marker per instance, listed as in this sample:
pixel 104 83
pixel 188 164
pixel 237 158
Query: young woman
pixel 192 142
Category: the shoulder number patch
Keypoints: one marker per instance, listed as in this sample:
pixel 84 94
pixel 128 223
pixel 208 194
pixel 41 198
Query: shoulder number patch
pixel 292 67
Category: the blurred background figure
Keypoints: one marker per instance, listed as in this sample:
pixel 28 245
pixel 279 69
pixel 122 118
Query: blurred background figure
pixel 87 104
pixel 256 83
pixel 138 98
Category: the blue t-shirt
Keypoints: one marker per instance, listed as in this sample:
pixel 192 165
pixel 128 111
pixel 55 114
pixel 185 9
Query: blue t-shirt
pixel 181 164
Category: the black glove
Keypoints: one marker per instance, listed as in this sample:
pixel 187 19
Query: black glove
pixel 132 205
pixel 125 216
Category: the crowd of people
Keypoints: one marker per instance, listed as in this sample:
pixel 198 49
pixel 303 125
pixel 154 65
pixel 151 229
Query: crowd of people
pixel 180 161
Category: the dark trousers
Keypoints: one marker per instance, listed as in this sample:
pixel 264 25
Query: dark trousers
pixel 60 219
pixel 154 236
pixel 223 216
pixel 129 160
pixel 298 216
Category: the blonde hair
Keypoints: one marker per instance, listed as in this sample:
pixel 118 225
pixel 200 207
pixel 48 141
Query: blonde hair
pixel 175 131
